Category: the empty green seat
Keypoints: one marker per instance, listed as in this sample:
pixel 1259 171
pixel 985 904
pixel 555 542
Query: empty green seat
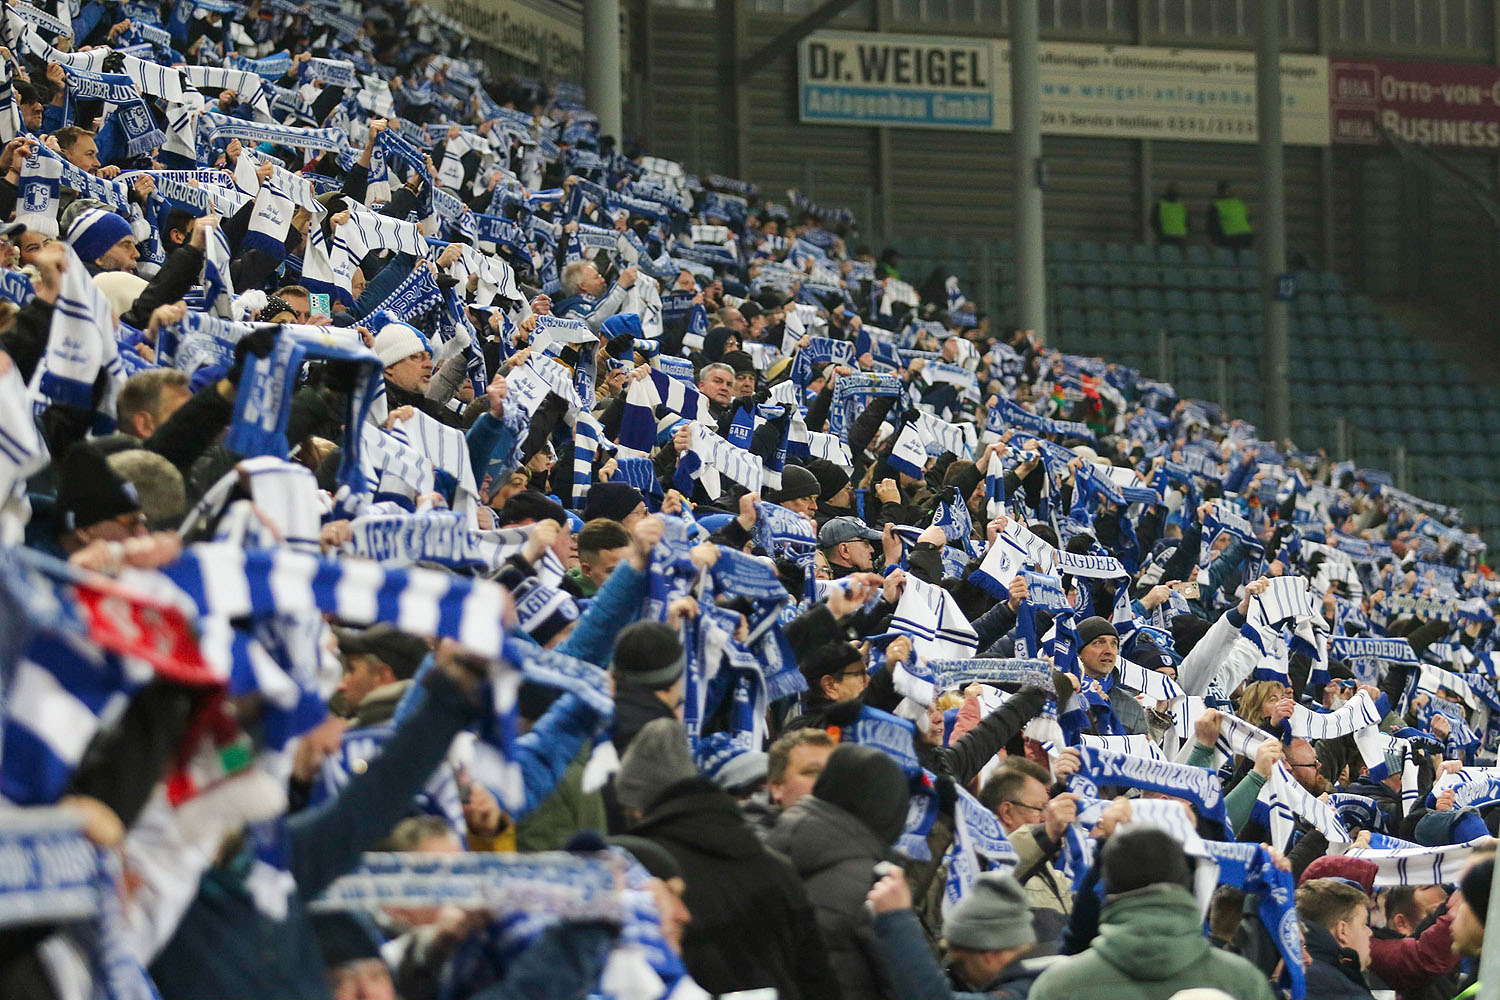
pixel 1090 252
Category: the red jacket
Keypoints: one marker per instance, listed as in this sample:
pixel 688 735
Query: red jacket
pixel 1409 964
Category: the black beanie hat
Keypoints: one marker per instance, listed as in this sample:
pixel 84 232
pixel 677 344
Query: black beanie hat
pixel 1136 857
pixel 831 478
pixel 829 658
pixel 742 363
pixel 1186 631
pixel 714 340
pixel 796 484
pixel 868 784
pixel 532 505
pixel 89 491
pixel 649 654
pixel 1476 887
pixel 1092 628
pixel 345 937
pixel 612 500
pixel 967 479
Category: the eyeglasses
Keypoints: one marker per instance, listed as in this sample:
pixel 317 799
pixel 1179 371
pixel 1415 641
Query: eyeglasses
pixel 1290 764
pixel 1023 805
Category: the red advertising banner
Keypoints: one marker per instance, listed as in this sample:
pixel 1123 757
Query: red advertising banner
pixel 1449 105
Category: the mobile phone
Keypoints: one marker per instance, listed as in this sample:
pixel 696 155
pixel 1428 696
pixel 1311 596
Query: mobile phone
pixel 1188 589
pixel 318 303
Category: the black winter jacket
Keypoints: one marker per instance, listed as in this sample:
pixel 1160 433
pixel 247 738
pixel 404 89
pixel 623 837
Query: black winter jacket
pixel 752 925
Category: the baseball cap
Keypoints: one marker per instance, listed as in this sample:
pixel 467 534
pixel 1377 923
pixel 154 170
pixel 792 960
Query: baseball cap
pixel 846 529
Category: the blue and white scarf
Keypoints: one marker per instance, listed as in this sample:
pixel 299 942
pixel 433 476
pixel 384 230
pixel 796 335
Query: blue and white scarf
pixel 752 578
pixel 264 401
pixel 1282 801
pixel 55 875
pixel 1442 865
pixel 851 393
pixel 896 738
pixel 1251 868
pixel 1367 656
pixel 783 534
pixel 979 844
pixel 710 456
pixel 1006 413
pixel 956 522
pixel 119 91
pixel 931 616
pixel 566 886
pixel 80 345
pixel 213 126
pixel 1102 768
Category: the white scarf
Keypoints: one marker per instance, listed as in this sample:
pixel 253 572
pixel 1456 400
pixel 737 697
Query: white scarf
pixel 1419 865
pixel 644 299
pixel 1288 801
pixel 446 448
pixel 80 344
pixel 931 616
pixel 718 457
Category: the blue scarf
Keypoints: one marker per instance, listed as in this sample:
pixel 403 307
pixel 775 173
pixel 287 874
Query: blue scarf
pixel 566 886
pixel 416 296
pixel 952 515
pixel 1250 867
pixel 1007 413
pixel 264 403
pixel 786 535
pixel 213 126
pixel 820 351
pixel 131 114
pixel 745 576
pixel 851 393
pixel 1102 768
pixel 401 150
pixel 15 286
pixel 56 875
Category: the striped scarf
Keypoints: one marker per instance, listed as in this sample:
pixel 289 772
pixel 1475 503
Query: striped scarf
pixel 851 393
pixel 1282 802
pixel 264 401
pixel 931 616
pixel 56 875
pixel 81 344
pixel 1104 768
pixel 1441 865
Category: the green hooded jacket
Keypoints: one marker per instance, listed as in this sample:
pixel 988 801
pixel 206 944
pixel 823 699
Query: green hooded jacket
pixel 1150 946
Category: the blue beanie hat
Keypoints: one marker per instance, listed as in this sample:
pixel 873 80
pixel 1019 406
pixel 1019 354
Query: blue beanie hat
pixel 95 231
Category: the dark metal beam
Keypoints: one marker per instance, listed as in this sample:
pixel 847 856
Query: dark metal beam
pixel 791 36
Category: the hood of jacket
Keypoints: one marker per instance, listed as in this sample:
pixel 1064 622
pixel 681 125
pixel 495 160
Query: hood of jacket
pixel 1151 934
pixel 699 816
pixel 816 835
pixel 1326 951
pixel 869 785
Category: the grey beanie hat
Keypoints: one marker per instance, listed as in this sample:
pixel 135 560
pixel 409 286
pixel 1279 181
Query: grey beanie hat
pixel 992 916
pixel 1092 628
pixel 656 759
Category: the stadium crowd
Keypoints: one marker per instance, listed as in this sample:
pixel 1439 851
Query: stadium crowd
pixel 451 554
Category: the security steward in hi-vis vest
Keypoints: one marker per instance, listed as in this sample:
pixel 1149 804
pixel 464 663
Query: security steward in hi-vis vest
pixel 1229 220
pixel 1170 221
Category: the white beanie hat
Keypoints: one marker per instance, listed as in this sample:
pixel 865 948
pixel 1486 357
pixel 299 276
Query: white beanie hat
pixel 397 342
pixel 121 288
